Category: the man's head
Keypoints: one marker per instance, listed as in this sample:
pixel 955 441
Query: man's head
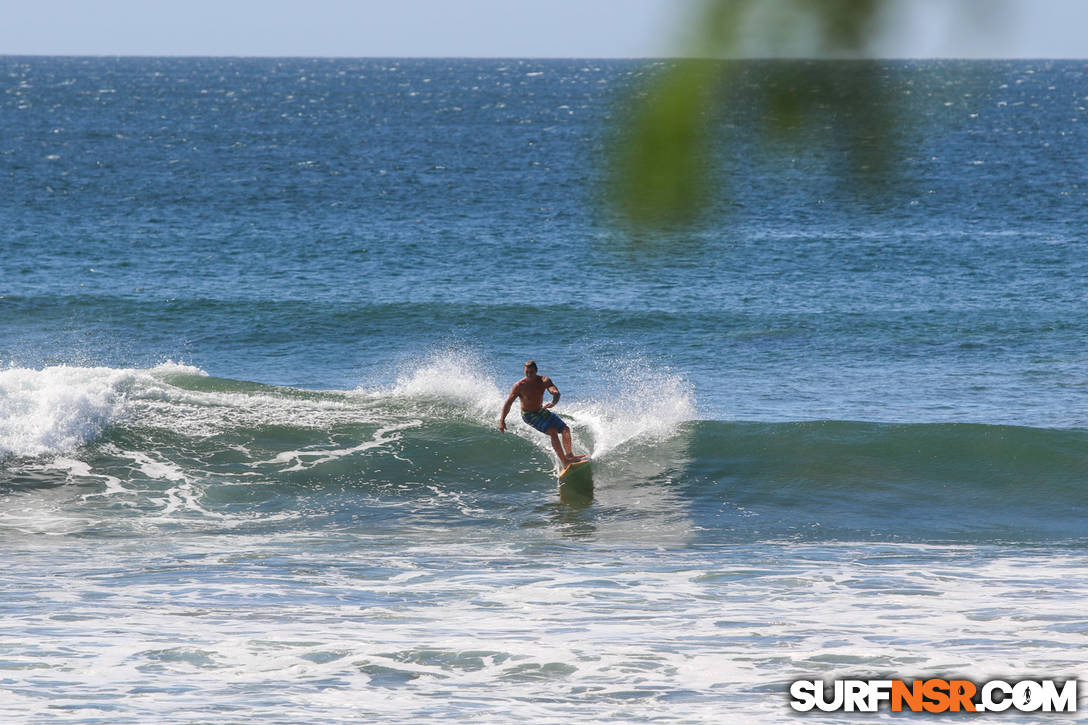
pixel 530 368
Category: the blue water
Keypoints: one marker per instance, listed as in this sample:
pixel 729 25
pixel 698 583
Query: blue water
pixel 258 318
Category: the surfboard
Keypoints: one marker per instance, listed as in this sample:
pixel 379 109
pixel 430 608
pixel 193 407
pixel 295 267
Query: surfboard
pixel 579 472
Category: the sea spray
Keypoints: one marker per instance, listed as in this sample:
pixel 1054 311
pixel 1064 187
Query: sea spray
pixel 635 400
pixel 453 376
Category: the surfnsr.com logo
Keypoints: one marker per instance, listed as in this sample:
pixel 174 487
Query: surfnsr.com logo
pixel 934 695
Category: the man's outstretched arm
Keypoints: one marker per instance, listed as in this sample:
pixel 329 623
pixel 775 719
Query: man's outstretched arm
pixel 506 409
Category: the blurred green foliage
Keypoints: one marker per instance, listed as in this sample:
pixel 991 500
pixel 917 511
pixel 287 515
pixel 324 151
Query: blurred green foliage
pixel 662 171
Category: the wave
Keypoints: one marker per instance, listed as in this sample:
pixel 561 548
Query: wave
pixel 840 455
pixel 845 480
pixel 206 444
pixel 56 410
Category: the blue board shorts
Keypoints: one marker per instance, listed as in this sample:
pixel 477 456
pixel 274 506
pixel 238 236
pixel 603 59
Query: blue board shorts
pixel 543 420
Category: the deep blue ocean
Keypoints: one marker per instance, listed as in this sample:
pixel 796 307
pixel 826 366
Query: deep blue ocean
pixel 258 318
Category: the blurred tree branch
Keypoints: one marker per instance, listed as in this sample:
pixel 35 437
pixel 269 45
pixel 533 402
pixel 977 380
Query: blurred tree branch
pixel 662 169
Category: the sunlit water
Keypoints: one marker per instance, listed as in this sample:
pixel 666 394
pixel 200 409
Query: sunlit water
pixel 258 318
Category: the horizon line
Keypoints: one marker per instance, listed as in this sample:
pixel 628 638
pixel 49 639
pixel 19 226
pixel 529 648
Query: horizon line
pixel 845 58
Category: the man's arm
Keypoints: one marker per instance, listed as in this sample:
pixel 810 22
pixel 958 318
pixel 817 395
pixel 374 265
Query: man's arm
pixel 553 390
pixel 506 408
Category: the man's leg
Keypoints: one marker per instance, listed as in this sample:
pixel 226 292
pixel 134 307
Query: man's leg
pixel 566 443
pixel 556 445
pixel 571 458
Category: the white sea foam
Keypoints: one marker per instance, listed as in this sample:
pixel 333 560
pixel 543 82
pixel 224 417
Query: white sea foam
pixel 253 625
pixel 308 458
pixel 57 409
pixel 79 469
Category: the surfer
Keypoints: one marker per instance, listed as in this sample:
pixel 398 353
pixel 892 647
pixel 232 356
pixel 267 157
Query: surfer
pixel 534 412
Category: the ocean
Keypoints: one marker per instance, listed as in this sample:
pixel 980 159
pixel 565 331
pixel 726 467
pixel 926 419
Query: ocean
pixel 258 318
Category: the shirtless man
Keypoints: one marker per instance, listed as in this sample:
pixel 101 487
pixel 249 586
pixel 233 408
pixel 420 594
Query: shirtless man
pixel 531 391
